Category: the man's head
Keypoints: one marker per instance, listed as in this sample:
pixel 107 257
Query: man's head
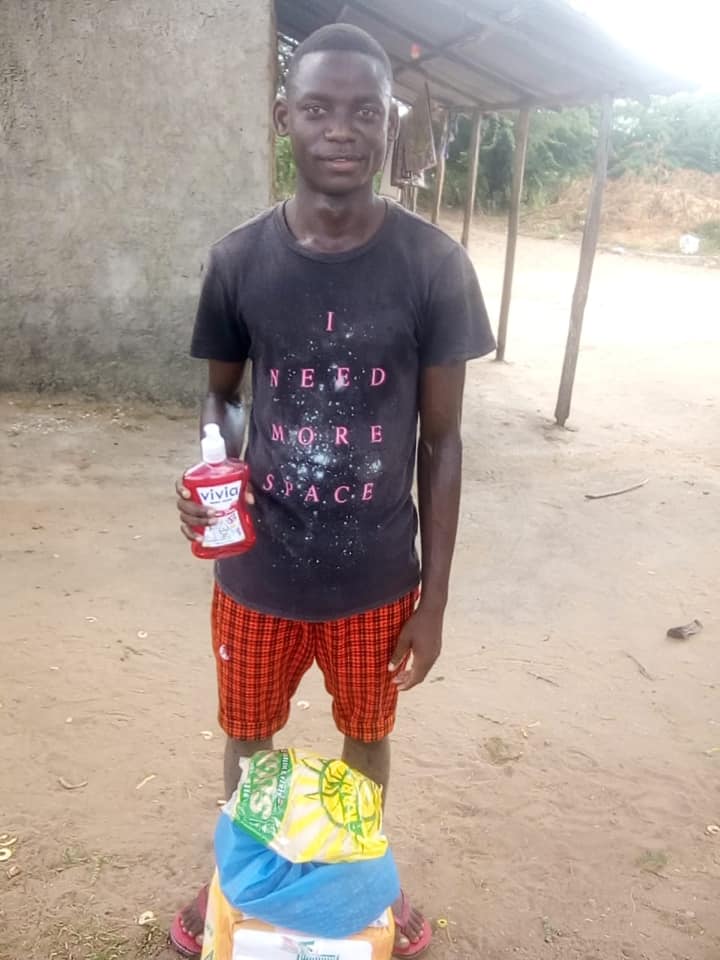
pixel 338 109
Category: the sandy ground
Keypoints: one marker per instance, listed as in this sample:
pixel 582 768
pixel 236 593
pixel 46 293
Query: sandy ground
pixel 553 781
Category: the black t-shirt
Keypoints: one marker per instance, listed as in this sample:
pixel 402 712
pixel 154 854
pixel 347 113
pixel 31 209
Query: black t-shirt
pixel 337 343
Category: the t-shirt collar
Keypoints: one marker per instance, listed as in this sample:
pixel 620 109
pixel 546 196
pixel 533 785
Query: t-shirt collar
pixel 288 238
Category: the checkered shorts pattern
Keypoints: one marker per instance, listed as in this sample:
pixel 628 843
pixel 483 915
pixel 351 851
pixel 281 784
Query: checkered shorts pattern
pixel 261 660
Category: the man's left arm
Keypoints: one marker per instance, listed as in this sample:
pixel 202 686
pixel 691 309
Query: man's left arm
pixel 439 470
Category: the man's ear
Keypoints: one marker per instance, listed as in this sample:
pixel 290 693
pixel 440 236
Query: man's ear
pixel 393 121
pixel 281 116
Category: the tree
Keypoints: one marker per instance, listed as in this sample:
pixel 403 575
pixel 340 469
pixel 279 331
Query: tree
pixel 560 148
pixel 677 132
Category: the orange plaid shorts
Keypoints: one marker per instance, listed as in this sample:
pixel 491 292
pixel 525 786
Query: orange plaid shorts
pixel 261 660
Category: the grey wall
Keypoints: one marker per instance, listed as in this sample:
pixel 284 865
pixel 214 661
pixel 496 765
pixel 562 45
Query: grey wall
pixel 134 133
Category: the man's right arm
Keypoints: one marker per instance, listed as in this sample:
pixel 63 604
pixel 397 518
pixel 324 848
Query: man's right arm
pixel 222 403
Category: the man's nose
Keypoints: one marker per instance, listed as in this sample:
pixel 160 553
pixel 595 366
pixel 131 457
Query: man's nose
pixel 340 130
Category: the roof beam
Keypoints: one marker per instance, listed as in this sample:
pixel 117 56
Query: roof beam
pixel 479 35
pixel 490 74
pixel 589 67
pixel 401 66
pixel 454 96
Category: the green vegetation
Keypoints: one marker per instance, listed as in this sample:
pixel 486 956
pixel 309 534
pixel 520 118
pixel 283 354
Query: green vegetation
pixel 284 169
pixel 560 148
pixel 680 132
pixel 709 233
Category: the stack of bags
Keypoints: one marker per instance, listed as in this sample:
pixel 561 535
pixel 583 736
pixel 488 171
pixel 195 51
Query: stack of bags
pixel 303 868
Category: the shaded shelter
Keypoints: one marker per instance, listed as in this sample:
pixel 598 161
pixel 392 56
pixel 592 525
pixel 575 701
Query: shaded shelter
pixel 488 56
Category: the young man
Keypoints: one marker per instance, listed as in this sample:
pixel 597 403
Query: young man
pixel 358 318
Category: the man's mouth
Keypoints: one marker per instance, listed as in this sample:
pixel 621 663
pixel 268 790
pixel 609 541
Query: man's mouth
pixel 341 161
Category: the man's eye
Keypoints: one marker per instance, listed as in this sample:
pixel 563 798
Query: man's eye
pixel 314 110
pixel 368 113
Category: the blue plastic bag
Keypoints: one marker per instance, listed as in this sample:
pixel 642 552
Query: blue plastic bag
pixel 332 900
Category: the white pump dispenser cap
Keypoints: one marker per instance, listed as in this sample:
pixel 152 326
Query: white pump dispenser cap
pixel 212 444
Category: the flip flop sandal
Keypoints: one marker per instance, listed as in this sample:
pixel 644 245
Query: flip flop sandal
pixel 184 942
pixel 414 948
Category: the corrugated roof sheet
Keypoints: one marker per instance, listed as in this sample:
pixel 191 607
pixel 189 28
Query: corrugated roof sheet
pixel 492 54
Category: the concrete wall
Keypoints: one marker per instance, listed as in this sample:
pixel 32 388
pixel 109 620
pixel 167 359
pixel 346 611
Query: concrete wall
pixel 134 133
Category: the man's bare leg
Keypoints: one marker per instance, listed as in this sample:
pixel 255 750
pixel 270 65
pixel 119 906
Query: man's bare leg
pixel 192 917
pixel 235 750
pixel 373 759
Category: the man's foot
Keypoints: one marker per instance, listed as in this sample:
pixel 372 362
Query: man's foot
pixel 412 931
pixel 186 933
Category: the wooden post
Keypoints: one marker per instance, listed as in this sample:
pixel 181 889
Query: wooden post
pixel 440 170
pixel 473 157
pixel 522 128
pixel 587 259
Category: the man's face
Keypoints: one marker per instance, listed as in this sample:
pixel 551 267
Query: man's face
pixel 336 114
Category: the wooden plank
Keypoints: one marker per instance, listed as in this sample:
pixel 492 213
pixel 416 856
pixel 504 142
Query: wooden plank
pixel 440 170
pixel 522 129
pixel 591 234
pixel 473 158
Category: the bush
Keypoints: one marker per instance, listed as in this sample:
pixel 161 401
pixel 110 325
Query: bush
pixel 284 169
pixel 680 132
pixel 709 233
pixel 560 148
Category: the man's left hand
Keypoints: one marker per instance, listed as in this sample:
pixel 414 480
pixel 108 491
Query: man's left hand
pixel 421 637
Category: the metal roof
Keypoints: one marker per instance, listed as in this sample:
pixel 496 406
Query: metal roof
pixel 491 54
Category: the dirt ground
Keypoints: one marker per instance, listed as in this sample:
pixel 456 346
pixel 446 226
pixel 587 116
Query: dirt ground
pixel 553 781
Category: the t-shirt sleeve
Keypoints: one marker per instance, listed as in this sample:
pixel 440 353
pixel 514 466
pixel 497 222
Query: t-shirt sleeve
pixel 220 332
pixel 455 326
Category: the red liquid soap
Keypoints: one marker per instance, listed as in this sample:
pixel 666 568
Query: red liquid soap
pixel 219 483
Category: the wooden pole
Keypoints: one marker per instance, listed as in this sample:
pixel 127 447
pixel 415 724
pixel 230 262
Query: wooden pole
pixel 587 259
pixel 440 170
pixel 473 158
pixel 522 128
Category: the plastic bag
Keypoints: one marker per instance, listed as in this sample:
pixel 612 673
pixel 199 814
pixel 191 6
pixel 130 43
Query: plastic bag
pixel 308 809
pixel 329 900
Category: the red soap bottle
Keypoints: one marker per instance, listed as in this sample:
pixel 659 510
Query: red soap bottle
pixel 219 483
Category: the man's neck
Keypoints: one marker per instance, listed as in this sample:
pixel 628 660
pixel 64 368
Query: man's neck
pixel 334 224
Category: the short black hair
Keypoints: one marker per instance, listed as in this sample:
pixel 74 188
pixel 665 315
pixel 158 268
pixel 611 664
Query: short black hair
pixel 339 37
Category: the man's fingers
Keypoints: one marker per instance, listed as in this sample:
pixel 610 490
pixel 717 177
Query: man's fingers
pixel 407 680
pixel 191 512
pixel 413 676
pixel 400 652
pixel 189 533
pixel 196 526
pixel 181 490
pixel 249 495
